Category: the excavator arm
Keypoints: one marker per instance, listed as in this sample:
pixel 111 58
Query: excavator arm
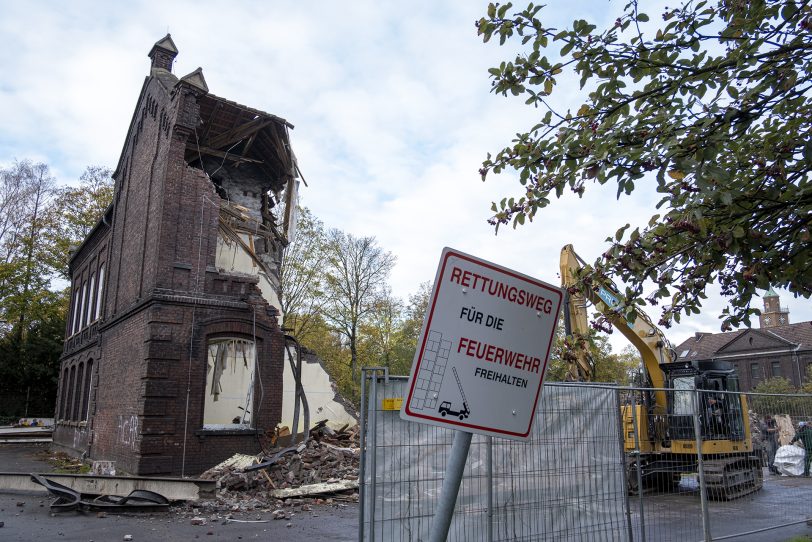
pixel 641 332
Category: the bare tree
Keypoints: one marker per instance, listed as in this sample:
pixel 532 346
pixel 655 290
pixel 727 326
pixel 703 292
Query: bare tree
pixel 357 271
pixel 301 275
pixel 382 328
pixel 25 191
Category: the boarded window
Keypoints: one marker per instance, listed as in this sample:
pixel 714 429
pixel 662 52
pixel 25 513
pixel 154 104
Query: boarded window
pixel 229 401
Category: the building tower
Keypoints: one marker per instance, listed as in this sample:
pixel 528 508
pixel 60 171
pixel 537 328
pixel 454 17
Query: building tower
pixel 773 315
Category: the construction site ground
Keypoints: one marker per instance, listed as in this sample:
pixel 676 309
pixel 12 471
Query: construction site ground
pixel 26 516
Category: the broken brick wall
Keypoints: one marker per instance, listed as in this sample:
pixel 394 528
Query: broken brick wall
pixel 165 300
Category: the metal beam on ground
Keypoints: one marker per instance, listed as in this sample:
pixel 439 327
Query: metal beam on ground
pixel 174 489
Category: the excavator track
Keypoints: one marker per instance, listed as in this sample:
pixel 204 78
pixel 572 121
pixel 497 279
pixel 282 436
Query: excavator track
pixel 732 478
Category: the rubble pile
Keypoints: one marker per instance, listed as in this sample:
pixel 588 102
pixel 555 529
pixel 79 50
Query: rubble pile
pixel 326 464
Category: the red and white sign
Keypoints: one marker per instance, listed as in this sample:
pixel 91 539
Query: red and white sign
pixel 483 349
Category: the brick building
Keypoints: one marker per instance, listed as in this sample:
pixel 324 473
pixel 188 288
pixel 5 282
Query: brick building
pixel 173 361
pixel 777 348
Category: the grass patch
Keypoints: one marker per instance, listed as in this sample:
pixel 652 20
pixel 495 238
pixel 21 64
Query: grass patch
pixel 62 463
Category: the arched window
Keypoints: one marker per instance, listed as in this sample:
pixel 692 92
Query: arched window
pixel 99 292
pixel 74 324
pixel 71 385
pixel 77 396
pixel 91 306
pixel 88 388
pixel 229 401
pixel 82 306
pixel 63 405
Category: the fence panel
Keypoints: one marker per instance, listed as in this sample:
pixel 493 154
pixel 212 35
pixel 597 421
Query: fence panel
pixel 781 508
pixel 603 463
pixel 567 483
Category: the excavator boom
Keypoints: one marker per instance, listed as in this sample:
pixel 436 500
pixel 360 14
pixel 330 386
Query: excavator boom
pixel 604 295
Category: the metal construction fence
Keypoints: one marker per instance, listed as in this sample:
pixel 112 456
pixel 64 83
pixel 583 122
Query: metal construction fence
pixel 578 477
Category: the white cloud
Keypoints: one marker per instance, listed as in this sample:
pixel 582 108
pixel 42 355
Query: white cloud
pixel 390 101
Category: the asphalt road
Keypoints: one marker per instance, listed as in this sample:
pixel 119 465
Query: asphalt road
pixel 33 521
pixel 677 516
pixel 668 517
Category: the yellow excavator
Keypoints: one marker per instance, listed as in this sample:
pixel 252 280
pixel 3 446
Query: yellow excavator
pixel 664 417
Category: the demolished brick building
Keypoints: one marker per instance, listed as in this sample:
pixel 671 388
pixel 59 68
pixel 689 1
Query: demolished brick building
pixel 172 361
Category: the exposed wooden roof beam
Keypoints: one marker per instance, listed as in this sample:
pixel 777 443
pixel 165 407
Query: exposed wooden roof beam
pixel 212 116
pixel 234 157
pixel 248 144
pixel 238 132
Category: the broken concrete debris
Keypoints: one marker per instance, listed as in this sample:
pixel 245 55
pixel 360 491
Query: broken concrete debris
pixel 327 463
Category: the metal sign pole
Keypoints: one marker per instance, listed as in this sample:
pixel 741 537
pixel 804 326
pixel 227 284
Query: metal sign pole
pixel 451 487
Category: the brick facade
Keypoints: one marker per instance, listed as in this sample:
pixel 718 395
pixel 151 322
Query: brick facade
pixel 138 367
pixel 783 350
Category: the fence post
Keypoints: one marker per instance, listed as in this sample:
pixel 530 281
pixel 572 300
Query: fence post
pixel 362 458
pixel 374 459
pixel 489 475
pixel 622 441
pixel 639 469
pixel 703 490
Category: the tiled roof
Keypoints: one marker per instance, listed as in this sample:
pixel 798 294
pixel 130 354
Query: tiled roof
pixel 706 345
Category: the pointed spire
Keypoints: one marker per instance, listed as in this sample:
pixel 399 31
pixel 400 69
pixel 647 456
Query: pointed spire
pixel 196 79
pixel 163 53
pixel 770 292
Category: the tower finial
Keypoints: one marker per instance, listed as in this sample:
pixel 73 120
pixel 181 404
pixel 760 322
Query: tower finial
pixel 163 53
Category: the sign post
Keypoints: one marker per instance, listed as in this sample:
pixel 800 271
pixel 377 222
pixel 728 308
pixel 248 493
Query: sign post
pixel 480 361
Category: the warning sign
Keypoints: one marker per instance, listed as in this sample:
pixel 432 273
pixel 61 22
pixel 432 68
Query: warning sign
pixel 483 350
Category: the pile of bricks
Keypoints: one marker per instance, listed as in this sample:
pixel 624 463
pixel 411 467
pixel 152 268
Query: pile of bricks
pixel 328 459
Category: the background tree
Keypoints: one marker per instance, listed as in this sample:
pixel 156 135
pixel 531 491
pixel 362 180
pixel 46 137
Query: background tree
pixel 74 213
pixel 409 330
pixel 302 275
pixel 357 270
pixel 25 275
pixel 38 223
pixel 379 333
pixel 772 404
pixel 622 368
pixel 712 104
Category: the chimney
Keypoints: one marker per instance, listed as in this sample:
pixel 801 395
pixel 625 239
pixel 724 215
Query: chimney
pixel 163 53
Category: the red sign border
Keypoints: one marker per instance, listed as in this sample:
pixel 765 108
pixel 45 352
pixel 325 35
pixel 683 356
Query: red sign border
pixel 499 269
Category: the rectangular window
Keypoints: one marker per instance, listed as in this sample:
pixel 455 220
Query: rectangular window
pixel 684 396
pixel 229 401
pixel 775 368
pixel 99 291
pixel 756 373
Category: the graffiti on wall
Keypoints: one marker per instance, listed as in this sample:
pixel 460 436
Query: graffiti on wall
pixel 79 435
pixel 128 431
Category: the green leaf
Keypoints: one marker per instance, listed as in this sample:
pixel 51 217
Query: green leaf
pixel 567 48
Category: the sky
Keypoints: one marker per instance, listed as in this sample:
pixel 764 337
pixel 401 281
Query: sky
pixel 390 101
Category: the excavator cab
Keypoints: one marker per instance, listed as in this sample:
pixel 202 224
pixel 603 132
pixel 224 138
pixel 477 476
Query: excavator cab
pixel 720 413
